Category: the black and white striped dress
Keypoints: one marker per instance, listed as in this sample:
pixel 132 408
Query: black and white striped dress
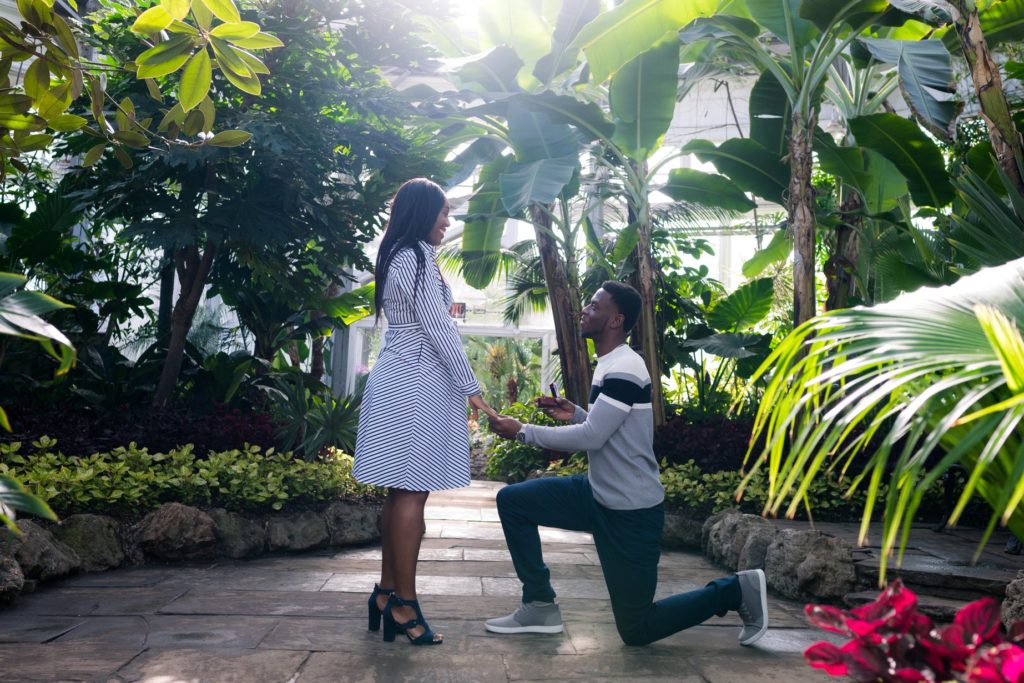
pixel 412 423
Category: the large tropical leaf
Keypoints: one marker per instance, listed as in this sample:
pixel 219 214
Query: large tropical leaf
pixel 642 98
pixel 538 181
pixel 749 165
pixel 770 113
pixel 709 189
pixel 916 156
pixel 536 137
pixel 744 308
pixel 926 78
pixel 484 225
pixel 776 251
pixel 877 179
pixel 572 17
pixel 588 118
pixel 726 344
pixel 618 36
pixel 782 18
pixel 493 71
pixel 937 370
pixel 517 25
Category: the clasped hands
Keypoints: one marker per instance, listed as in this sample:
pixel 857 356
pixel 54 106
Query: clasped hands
pixel 555 408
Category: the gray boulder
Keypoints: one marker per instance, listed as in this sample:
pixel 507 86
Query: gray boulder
pixel 237 536
pixel 808 564
pixel 176 532
pixel 710 523
pixel 94 538
pixel 681 532
pixel 742 529
pixel 755 547
pixel 40 555
pixel 1013 604
pixel 11 579
pixel 301 531
pixel 727 536
pixel 352 524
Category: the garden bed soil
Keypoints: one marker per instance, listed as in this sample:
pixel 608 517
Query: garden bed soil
pixel 82 431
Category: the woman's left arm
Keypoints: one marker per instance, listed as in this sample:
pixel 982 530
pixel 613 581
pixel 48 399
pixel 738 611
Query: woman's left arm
pixel 437 323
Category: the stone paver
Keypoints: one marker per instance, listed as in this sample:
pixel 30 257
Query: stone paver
pixel 302 619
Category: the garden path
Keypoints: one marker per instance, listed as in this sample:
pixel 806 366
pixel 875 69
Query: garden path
pixel 302 619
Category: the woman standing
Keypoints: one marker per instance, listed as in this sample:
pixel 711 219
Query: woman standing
pixel 413 436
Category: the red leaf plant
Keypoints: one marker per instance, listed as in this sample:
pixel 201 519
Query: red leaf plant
pixel 891 641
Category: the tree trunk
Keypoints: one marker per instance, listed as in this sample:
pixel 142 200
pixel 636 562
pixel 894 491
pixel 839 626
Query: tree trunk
pixel 645 333
pixel 316 358
pixel 841 268
pixel 565 309
pixel 193 270
pixel 163 316
pixel 1006 140
pixel 800 208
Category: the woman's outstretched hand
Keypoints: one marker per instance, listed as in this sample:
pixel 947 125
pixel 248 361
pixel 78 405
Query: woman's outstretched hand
pixel 477 401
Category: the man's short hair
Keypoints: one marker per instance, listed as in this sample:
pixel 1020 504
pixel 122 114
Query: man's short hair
pixel 626 299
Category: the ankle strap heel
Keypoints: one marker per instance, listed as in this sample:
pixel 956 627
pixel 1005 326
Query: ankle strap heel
pixel 391 627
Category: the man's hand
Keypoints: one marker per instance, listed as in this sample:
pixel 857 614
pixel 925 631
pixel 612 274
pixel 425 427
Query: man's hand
pixel 556 408
pixel 506 427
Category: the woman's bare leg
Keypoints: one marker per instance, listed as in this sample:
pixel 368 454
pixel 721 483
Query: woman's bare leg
pixel 402 531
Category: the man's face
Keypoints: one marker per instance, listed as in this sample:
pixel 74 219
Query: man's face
pixel 598 314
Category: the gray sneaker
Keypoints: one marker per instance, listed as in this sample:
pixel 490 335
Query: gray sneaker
pixel 753 607
pixel 531 617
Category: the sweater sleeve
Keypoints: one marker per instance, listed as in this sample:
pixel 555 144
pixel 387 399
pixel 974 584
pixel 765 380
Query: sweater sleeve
pixel 434 318
pixel 592 433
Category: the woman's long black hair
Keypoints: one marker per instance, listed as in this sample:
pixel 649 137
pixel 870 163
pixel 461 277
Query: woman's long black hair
pixel 414 211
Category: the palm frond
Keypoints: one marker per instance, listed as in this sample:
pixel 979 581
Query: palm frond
pixel 527 292
pixel 934 372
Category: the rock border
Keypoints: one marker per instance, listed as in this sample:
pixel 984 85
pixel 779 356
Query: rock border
pixel 803 565
pixel 798 564
pixel 172 533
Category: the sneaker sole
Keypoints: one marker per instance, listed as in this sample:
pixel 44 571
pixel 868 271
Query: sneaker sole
pixel 523 629
pixel 763 584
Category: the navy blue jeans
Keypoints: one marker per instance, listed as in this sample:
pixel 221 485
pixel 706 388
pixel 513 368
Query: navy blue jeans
pixel 628 545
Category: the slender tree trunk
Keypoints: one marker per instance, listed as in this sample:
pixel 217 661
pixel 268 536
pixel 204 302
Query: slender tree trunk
pixel 193 269
pixel 645 333
pixel 565 308
pixel 166 305
pixel 1006 139
pixel 841 269
pixel 800 207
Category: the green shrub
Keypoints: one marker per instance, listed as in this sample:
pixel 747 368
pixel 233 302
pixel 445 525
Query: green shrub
pixel 128 482
pixel 688 488
pixel 510 461
pixel 576 463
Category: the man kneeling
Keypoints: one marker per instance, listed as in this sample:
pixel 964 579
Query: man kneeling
pixel 620 501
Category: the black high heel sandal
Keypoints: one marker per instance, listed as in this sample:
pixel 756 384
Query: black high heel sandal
pixel 374 612
pixel 391 627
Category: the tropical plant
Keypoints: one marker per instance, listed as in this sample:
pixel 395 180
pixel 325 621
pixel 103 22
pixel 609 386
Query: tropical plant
pixel 931 379
pixel 889 640
pixel 14 496
pixel 330 141
pixel 311 418
pixel 171 35
pixel 19 317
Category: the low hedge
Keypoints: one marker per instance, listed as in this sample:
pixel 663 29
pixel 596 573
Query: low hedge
pixel 128 482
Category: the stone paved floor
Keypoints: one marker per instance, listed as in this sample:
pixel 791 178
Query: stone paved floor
pixel 302 619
